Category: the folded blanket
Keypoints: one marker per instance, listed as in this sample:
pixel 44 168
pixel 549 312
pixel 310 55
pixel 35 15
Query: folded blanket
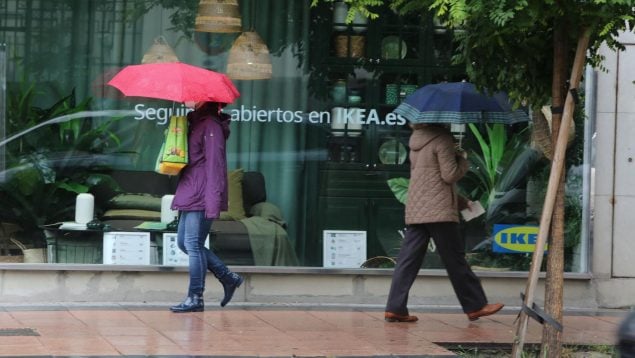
pixel 268 238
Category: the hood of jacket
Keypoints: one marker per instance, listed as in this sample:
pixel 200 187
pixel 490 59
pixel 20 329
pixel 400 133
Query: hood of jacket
pixel 210 110
pixel 424 136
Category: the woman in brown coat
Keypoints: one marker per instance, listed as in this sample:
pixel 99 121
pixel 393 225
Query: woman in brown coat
pixel 432 211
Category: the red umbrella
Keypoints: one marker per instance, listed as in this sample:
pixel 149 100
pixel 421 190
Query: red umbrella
pixel 175 81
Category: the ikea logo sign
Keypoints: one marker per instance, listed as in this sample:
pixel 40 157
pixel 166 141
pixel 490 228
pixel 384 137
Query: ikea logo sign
pixel 515 238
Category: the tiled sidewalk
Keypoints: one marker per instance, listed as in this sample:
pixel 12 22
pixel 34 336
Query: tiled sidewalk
pixel 265 331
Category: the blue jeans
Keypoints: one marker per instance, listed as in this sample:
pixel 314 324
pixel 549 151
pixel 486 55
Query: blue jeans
pixel 192 231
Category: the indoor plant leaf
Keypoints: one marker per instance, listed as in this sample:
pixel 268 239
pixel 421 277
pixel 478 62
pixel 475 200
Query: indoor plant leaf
pixel 399 187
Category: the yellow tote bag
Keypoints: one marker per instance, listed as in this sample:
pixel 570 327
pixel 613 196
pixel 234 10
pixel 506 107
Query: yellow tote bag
pixel 173 155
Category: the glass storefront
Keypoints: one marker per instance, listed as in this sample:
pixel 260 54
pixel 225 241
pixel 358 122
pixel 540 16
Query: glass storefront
pixel 311 152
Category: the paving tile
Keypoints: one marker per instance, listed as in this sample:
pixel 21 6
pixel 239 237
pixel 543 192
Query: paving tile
pixel 279 332
pixel 613 319
pixel 589 337
pixel 150 351
pixel 220 351
pixel 7 320
pixel 589 323
pixel 438 326
pixel 106 331
pixel 151 340
pixel 16 350
pixel 332 340
pixel 450 337
pixel 107 318
pixel 66 331
pixel 417 348
pixel 358 320
pixel 178 321
pixel 201 341
pixel 18 341
pixel 234 319
pixel 293 320
pixel 78 346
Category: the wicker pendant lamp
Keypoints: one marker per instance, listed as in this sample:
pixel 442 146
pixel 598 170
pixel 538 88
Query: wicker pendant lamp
pixel 160 51
pixel 218 16
pixel 249 58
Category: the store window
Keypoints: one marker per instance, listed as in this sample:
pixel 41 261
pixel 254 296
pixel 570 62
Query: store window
pixel 311 153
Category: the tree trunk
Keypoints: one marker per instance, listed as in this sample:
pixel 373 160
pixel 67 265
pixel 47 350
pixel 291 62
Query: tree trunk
pixel 552 339
pixel 555 175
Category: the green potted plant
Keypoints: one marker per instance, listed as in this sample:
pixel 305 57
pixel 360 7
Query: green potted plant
pixel 496 178
pixel 497 170
pixel 47 167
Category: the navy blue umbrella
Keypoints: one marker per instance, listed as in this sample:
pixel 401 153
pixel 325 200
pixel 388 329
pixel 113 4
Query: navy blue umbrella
pixel 458 102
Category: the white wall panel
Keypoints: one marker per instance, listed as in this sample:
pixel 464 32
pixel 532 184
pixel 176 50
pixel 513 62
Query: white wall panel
pixel 624 237
pixel 606 82
pixel 625 85
pixel 624 190
pixel 604 153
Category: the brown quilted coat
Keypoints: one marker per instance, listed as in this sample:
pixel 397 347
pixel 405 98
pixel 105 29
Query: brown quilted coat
pixel 434 169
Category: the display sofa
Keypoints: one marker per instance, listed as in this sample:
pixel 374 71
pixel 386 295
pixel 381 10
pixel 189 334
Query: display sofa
pixel 251 232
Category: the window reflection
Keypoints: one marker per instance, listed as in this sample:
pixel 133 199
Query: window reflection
pixel 316 144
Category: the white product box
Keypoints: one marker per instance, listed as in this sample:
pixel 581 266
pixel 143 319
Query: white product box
pixel 172 255
pixel 127 248
pixel 344 248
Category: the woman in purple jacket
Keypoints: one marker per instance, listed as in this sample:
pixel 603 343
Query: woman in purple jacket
pixel 200 197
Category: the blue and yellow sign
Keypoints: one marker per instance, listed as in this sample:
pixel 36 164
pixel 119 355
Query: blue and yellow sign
pixel 515 238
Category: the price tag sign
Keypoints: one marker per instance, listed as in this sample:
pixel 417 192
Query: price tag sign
pixel 344 248
pixel 127 248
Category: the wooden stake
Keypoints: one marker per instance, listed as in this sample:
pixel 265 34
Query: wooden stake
pixel 557 166
pixel 551 346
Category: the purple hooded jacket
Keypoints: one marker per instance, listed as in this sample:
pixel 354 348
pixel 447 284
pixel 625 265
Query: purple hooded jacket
pixel 203 182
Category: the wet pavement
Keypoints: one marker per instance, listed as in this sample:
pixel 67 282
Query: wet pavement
pixel 269 330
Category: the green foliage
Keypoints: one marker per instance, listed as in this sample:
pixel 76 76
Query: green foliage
pixel 363 7
pixel 41 178
pixel 35 195
pixel 491 48
pixel 497 178
pixel 485 257
pixel 399 187
pixel 485 165
pixel 531 351
pixel 501 165
pixel 182 18
pixel 23 114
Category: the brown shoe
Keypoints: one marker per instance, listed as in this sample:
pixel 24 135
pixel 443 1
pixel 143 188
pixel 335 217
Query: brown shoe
pixel 393 317
pixel 487 310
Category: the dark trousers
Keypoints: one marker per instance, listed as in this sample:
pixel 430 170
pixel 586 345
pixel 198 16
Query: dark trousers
pixel 451 248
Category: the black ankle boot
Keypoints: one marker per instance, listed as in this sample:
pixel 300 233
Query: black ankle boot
pixel 230 282
pixel 192 303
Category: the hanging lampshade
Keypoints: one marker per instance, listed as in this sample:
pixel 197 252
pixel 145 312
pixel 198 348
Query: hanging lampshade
pixel 218 16
pixel 160 51
pixel 249 58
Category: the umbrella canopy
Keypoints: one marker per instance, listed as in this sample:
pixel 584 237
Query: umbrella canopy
pixel 175 81
pixel 458 102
